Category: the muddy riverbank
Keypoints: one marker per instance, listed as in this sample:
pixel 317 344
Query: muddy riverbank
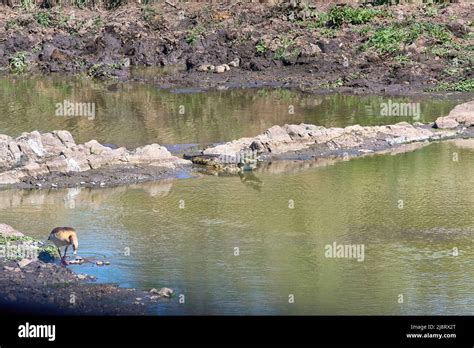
pixel 30 285
pixel 394 50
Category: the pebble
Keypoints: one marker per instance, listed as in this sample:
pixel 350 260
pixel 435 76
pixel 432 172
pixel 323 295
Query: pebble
pixel 235 63
pixel 220 69
pixel 206 67
pixel 24 262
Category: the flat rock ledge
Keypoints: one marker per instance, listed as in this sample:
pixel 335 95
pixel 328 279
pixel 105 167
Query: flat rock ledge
pixel 53 159
pixel 307 141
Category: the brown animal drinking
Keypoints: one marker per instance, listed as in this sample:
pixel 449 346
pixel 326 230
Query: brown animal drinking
pixel 64 237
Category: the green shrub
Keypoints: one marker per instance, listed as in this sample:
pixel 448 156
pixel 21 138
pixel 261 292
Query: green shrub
pixel 26 5
pixel 459 86
pixel 19 63
pixel 283 50
pixel 439 32
pixel 195 34
pixel 261 47
pixel 431 11
pixel 44 19
pixel 339 15
pixel 391 38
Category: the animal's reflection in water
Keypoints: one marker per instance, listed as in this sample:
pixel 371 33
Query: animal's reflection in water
pixel 251 180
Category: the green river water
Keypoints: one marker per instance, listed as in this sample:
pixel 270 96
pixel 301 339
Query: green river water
pixel 409 211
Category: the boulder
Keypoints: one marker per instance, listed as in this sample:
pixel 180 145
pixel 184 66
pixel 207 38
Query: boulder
pixel 11 177
pixel 31 145
pixel 460 114
pixel 8 231
pixel 149 153
pixel 463 113
pixel 446 123
pixel 65 137
pixel 95 148
pixel 51 143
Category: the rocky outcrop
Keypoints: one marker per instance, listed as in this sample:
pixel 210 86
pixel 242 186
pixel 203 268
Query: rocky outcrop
pixel 305 141
pixel 33 155
pixel 462 114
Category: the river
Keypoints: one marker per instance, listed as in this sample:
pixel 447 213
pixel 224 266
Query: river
pixel 257 244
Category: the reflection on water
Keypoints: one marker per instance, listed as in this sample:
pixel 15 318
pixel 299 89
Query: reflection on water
pixel 133 114
pixel 182 234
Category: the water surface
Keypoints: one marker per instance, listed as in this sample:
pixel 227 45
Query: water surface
pixel 133 114
pixel 182 234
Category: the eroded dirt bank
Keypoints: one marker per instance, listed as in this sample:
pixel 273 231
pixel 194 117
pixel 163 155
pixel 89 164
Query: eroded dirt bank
pixel 30 285
pixel 395 49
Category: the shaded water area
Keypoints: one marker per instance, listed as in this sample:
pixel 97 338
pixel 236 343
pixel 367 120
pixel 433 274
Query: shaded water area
pixel 409 210
pixel 182 233
pixel 134 114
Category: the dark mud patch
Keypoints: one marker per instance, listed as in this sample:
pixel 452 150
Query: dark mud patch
pixel 46 288
pixel 105 177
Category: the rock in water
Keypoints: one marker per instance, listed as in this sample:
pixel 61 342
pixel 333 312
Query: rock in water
pixel 460 114
pixel 33 156
pixel 163 292
pixel 446 123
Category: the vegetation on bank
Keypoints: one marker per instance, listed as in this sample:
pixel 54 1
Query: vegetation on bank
pixel 466 85
pixel 405 42
pixel 44 252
